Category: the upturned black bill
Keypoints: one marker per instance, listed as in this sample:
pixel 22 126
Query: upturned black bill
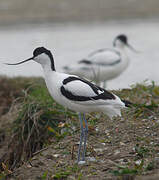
pixel 20 62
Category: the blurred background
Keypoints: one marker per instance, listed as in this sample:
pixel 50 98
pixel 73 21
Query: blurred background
pixel 73 28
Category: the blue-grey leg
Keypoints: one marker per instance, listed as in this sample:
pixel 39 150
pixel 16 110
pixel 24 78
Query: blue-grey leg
pixel 81 137
pixel 104 84
pixel 85 137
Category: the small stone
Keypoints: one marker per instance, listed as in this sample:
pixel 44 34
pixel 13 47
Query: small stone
pixel 81 162
pixel 100 149
pixel 29 165
pixel 74 128
pixel 56 155
pixel 122 144
pixel 138 162
pixel 61 124
pixel 97 129
pixel 91 159
pixel 106 132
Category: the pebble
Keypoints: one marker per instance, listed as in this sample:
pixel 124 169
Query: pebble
pixel 81 162
pixel 100 149
pixel 122 144
pixel 56 155
pixel 138 162
pixel 91 159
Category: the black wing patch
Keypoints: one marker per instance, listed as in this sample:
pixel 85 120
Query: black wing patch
pixel 108 64
pixel 84 61
pixel 88 62
pixel 103 94
pixel 99 63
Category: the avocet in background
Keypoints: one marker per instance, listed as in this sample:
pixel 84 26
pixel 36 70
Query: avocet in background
pixel 104 64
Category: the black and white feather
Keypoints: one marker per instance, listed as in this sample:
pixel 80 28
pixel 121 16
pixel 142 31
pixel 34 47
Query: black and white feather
pixel 82 96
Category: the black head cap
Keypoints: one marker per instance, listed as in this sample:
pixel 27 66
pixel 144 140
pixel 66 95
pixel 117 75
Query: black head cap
pixel 41 50
pixel 123 38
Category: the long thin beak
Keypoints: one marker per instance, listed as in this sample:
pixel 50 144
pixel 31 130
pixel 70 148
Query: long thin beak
pixel 131 48
pixel 20 62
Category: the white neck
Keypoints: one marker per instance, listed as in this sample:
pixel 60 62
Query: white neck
pixel 125 59
pixel 47 67
pixel 49 75
pixel 46 62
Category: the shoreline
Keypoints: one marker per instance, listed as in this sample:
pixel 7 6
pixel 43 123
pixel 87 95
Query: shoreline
pixel 49 22
pixel 75 11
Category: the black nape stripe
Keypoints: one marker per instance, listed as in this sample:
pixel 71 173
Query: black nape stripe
pixel 104 96
pixel 41 50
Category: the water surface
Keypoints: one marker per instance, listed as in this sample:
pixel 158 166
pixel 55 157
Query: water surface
pixel 71 42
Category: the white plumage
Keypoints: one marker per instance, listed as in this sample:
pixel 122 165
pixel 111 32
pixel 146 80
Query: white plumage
pixel 75 93
pixel 79 88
